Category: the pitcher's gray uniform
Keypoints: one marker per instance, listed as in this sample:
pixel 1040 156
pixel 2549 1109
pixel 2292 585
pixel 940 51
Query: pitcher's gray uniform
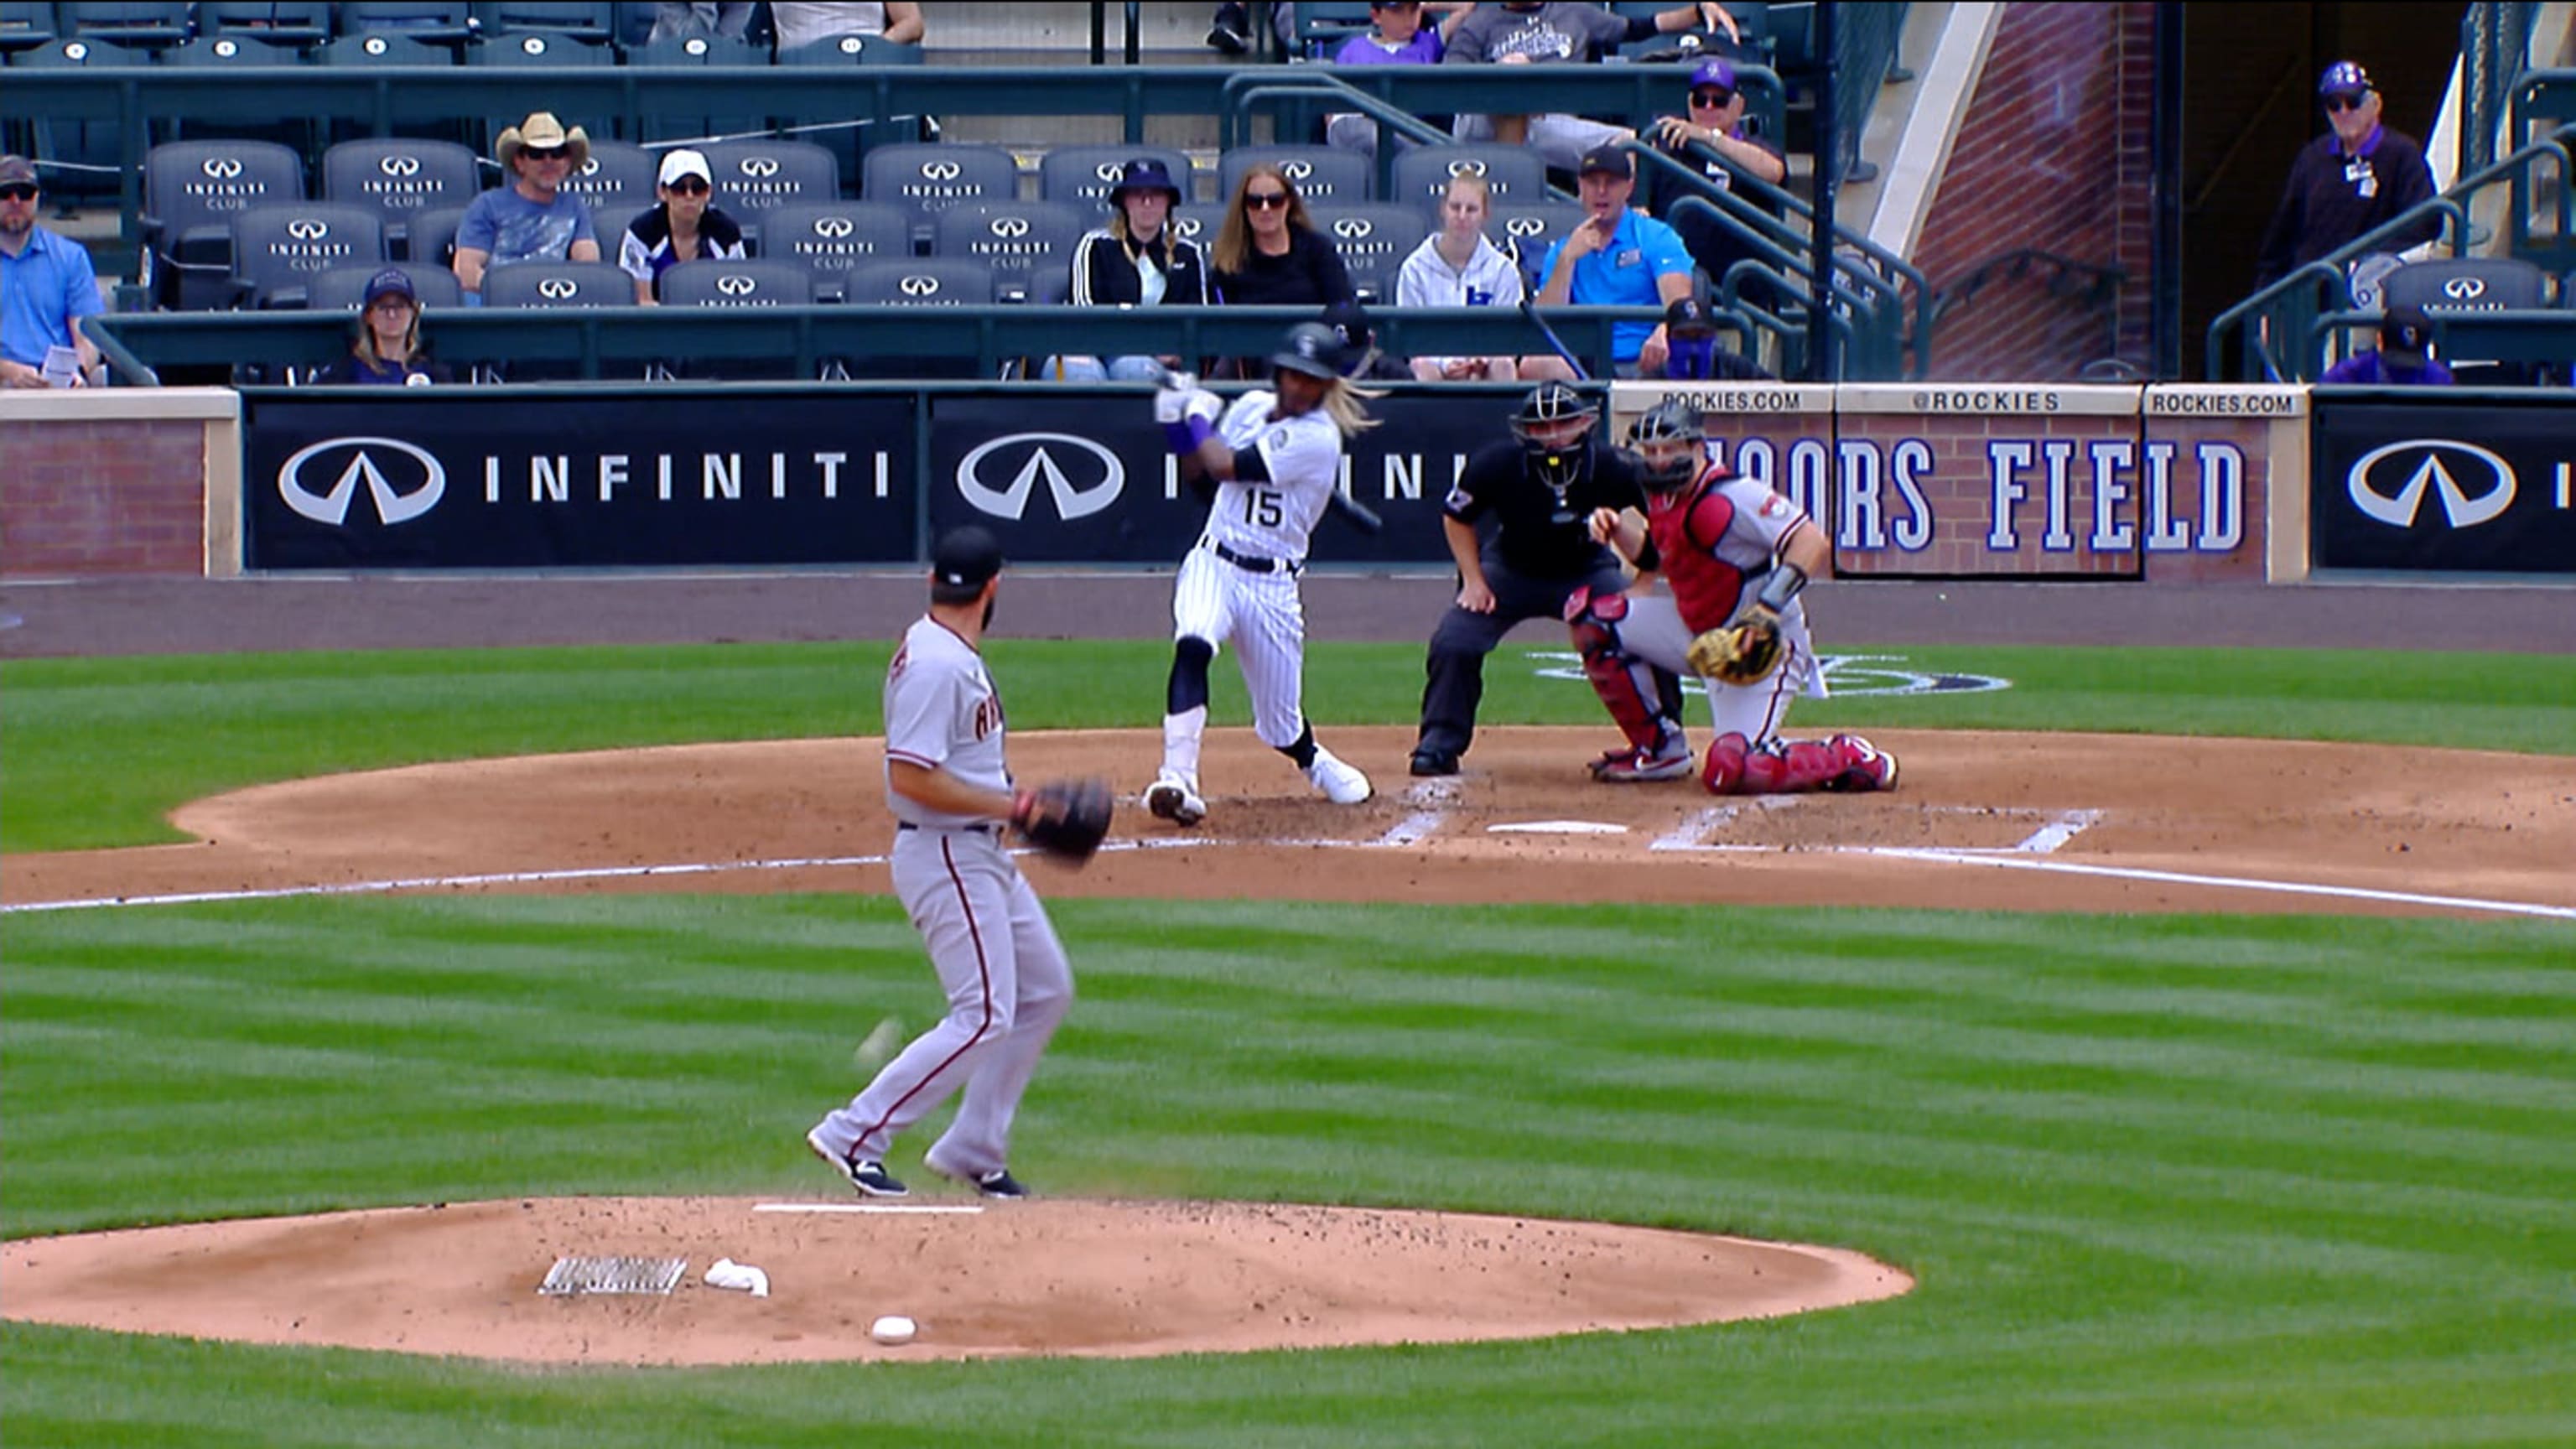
pixel 1005 974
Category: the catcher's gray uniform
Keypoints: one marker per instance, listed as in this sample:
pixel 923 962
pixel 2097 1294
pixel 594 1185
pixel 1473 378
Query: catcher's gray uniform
pixel 998 959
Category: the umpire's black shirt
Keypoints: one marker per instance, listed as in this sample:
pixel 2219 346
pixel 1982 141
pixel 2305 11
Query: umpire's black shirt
pixel 1541 534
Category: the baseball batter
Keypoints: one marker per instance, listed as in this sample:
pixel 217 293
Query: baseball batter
pixel 1271 462
pixel 1725 548
pixel 996 953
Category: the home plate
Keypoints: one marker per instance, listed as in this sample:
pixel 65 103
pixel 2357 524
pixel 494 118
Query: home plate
pixel 1557 827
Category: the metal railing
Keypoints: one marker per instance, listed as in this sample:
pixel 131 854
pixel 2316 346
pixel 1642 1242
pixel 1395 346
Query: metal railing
pixel 2495 46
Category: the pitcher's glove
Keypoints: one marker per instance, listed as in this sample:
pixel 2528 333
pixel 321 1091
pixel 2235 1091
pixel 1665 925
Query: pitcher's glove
pixel 1744 652
pixel 1065 818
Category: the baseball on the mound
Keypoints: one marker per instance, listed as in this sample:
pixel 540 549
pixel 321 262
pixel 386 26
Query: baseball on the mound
pixel 893 1328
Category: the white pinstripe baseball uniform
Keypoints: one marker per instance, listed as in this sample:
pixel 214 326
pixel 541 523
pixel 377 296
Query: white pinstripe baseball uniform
pixel 1005 975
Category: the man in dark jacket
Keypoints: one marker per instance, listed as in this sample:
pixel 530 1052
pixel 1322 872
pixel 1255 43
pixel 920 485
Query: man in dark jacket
pixel 2358 177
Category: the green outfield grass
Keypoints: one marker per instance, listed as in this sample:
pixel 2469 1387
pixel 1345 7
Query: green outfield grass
pixel 95 752
pixel 2295 1182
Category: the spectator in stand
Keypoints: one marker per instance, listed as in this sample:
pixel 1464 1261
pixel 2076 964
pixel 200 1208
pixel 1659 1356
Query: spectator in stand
pixel 1614 257
pixel 1268 254
pixel 533 218
pixel 1398 37
pixel 1690 330
pixel 2404 358
pixel 2356 178
pixel 388 351
pixel 46 286
pixel 1711 140
pixel 681 227
pixel 801 25
pixel 1525 32
pixel 1459 266
pixel 681 19
pixel 1137 260
pixel 1361 360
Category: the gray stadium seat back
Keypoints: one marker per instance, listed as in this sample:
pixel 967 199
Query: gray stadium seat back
pixel 342 289
pixel 1198 224
pixel 616 183
pixel 853 49
pixel 2466 284
pixel 1374 238
pixel 431 20
pixel 558 284
pixel 928 177
pixel 698 50
pixel 713 283
pixel 583 20
pixel 1080 176
pixel 278 250
pixel 830 239
pixel 383 47
pixel 754 178
pixel 1532 229
pixel 192 190
pixel 1517 175
pixel 1323 175
pixel 428 237
pixel 921 282
pixel 151 24
pixel 25 26
pixel 1323 25
pixel 76 50
pixel 1020 241
pixel 293 22
pixel 231 50
pixel 538 48
pixel 399 176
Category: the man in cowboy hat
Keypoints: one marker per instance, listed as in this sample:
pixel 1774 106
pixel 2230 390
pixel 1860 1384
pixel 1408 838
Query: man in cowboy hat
pixel 533 219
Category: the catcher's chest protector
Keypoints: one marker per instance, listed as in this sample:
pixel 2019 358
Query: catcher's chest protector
pixel 1686 531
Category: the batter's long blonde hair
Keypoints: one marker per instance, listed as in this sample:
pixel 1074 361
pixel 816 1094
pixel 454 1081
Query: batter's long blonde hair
pixel 1345 402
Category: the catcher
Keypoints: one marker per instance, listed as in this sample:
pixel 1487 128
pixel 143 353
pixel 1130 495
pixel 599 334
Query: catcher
pixel 998 959
pixel 1733 557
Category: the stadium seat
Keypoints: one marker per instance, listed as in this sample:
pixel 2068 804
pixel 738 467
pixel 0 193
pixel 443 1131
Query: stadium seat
pixel 1022 242
pixel 1532 228
pixel 2466 284
pixel 558 284
pixel 853 50
pixel 928 177
pixel 831 238
pixel 921 282
pixel 383 47
pixel 1081 176
pixel 400 177
pixel 238 49
pixel 713 283
pixel 148 25
pixel 616 183
pixel 277 250
pixel 698 50
pixel 342 289
pixel 537 48
pixel 1198 224
pixel 581 21
pixel 1374 238
pixel 26 26
pixel 753 178
pixel 279 22
pixel 192 190
pixel 445 22
pixel 1322 25
pixel 1517 174
pixel 1323 175
pixel 88 156
pixel 429 237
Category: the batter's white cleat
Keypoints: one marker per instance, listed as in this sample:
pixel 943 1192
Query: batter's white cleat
pixel 1171 798
pixel 1340 781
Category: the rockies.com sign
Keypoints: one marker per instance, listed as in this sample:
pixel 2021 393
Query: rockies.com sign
pixel 2430 481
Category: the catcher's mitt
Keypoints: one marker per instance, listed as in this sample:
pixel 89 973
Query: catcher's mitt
pixel 1065 818
pixel 1744 652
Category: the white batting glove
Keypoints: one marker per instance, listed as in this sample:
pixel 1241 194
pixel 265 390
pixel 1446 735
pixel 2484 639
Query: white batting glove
pixel 1171 404
pixel 1204 404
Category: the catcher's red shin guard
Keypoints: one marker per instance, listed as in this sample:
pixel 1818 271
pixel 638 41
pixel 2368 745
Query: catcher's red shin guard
pixel 1644 701
pixel 1780 767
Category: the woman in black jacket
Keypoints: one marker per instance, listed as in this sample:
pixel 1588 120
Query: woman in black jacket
pixel 1269 254
pixel 1137 260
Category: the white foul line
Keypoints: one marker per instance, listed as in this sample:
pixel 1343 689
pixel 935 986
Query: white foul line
pixel 2227 882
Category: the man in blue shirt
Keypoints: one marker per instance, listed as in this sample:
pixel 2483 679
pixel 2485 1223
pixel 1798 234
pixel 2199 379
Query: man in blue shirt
pixel 2404 357
pixel 1614 257
pixel 533 218
pixel 46 284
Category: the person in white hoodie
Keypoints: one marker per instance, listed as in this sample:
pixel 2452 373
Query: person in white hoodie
pixel 1459 266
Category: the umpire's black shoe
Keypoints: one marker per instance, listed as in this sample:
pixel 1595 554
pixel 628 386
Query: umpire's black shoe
pixel 1434 762
pixel 1227 33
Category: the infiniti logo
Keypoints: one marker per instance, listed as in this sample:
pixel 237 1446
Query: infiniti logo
pixel 1010 226
pixel 557 288
pixel 1525 226
pixel 306 229
pixel 2419 465
pixel 759 165
pixel 223 168
pixel 590 167
pixel 939 170
pixel 1110 171
pixel 833 226
pixel 917 285
pixel 426 481
pixel 1468 167
pixel 1104 476
pixel 1296 170
pixel 737 285
pixel 1353 228
pixel 399 165
pixel 2464 289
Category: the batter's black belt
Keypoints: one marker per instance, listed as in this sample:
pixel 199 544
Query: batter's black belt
pixel 1251 565
pixel 986 829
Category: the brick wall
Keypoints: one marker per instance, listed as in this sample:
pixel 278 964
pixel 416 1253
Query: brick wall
pixel 103 496
pixel 2054 156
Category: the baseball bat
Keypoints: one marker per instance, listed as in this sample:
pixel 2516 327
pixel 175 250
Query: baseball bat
pixel 1529 310
pixel 1361 516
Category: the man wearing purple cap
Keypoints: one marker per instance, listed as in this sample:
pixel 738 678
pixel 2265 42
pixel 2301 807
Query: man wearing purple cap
pixel 2353 180
pixel 1712 140
pixel 2404 358
pixel 46 286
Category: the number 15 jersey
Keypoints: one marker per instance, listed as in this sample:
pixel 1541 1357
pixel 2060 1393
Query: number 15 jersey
pixel 1275 517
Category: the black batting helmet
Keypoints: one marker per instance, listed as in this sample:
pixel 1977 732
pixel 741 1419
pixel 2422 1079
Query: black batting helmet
pixel 1667 422
pixel 1558 460
pixel 1311 348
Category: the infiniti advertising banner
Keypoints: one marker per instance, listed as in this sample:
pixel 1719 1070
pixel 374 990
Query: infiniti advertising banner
pixel 1067 478
pixel 2433 480
pixel 349 479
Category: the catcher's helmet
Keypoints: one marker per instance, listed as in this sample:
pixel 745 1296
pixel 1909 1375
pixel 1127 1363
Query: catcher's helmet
pixel 1311 348
pixel 1666 439
pixel 1556 453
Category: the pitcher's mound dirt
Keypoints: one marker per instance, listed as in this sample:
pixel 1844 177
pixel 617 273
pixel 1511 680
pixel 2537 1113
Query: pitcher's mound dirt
pixel 1101 1279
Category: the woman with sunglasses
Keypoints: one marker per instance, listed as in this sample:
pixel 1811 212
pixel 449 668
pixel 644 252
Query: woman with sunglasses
pixel 1714 142
pixel 682 227
pixel 1268 253
pixel 388 350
